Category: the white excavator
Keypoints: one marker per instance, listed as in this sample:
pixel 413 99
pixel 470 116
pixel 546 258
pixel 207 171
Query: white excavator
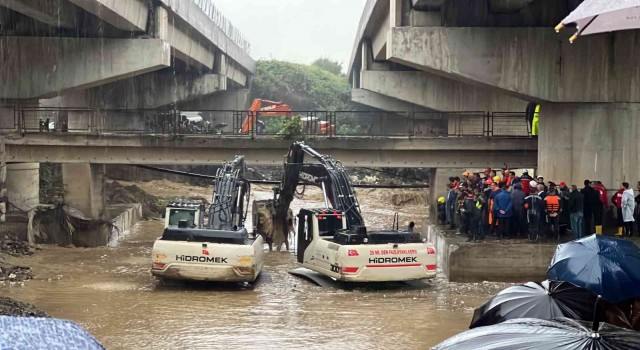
pixel 333 240
pixel 219 249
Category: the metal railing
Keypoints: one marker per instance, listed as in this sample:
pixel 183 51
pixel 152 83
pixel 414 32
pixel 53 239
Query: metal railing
pixel 208 7
pixel 242 123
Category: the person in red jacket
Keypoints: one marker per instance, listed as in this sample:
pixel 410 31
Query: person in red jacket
pixel 616 199
pixel 598 213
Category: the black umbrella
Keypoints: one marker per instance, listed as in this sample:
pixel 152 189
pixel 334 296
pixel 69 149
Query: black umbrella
pixel 545 300
pixel 535 334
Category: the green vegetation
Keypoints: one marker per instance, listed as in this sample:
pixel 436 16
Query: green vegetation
pixel 51 188
pixel 287 128
pixel 328 65
pixel 303 87
pixel 319 86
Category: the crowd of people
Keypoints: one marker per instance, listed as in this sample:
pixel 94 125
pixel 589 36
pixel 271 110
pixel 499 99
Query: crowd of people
pixel 503 205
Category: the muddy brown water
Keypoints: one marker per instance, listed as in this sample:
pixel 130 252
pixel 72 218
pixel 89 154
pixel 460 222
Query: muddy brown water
pixel 110 291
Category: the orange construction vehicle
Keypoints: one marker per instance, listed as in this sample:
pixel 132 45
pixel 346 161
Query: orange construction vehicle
pixel 279 109
pixel 273 109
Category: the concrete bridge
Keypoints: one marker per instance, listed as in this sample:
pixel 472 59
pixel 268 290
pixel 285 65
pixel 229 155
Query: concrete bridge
pixel 354 151
pixel 498 55
pixel 121 54
pixel 111 54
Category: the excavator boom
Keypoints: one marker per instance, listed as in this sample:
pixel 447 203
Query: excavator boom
pixel 230 196
pixel 329 175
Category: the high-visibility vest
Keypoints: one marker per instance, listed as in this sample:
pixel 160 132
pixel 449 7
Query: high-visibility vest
pixel 552 203
pixel 536 121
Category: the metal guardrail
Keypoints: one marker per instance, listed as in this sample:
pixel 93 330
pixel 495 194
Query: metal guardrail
pixel 208 7
pixel 309 124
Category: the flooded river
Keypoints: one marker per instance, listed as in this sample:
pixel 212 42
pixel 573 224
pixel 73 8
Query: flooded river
pixel 111 292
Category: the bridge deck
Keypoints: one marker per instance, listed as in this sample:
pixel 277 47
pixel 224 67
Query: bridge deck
pixel 427 152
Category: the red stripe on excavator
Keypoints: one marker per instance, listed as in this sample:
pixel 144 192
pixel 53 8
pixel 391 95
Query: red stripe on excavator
pixel 395 265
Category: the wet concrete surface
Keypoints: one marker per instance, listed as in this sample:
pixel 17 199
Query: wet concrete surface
pixel 111 292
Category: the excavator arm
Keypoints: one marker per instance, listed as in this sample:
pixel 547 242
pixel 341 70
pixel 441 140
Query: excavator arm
pixel 230 196
pixel 329 175
pixel 273 109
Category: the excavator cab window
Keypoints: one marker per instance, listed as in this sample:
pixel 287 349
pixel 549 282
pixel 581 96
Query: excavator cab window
pixel 305 234
pixel 329 223
pixel 177 215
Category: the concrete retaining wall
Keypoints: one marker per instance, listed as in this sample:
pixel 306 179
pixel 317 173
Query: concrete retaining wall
pixel 123 223
pixel 90 234
pixel 491 261
pixel 23 185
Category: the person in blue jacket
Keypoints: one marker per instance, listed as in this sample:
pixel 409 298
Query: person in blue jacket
pixel 503 211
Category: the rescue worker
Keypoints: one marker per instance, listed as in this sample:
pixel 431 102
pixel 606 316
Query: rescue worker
pixel 503 210
pixel 628 207
pixel 533 205
pixel 493 221
pixel 486 211
pixel 576 206
pixel 477 221
pixel 518 221
pixel 542 190
pixel 565 215
pixel 616 199
pixel 540 180
pixel 552 211
pixel 591 203
pixel 525 180
pixel 533 117
pixel 598 213
pixel 472 215
pixel 462 210
pixel 442 211
pixel 451 205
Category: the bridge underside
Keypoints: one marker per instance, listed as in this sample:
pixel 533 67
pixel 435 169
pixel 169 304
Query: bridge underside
pixel 499 55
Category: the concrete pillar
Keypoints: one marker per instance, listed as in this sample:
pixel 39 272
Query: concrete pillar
pixel 438 180
pixel 223 103
pixel 23 185
pixel 396 13
pixel 3 178
pixel 7 122
pixel 595 141
pixel 84 188
pixel 161 23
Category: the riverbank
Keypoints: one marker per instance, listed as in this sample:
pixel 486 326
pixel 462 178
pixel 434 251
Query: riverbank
pixel 10 307
pixel 13 246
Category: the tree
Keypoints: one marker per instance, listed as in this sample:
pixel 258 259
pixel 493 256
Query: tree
pixel 303 87
pixel 328 65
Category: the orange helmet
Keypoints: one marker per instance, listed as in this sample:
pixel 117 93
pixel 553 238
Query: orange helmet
pixel 489 182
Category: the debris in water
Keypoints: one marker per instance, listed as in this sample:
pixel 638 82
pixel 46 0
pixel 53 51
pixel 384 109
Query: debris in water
pixel 10 307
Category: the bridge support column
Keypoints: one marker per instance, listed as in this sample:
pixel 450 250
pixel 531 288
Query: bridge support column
pixel 215 103
pixel 84 188
pixel 3 178
pixel 438 181
pixel 22 186
pixel 590 141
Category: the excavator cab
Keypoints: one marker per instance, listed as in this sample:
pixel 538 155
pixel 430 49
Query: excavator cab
pixel 325 223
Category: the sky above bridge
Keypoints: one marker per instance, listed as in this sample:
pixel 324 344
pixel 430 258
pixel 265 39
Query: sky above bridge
pixel 296 30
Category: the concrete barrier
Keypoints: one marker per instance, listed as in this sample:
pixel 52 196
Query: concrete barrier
pixel 508 261
pixel 129 215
